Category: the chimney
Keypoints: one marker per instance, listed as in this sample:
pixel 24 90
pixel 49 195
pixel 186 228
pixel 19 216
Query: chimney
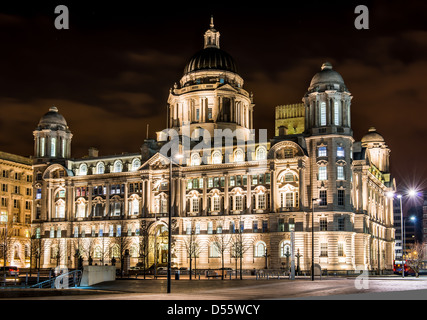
pixel 93 152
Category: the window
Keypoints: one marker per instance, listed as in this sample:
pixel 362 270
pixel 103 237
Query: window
pixel 261 153
pixel 323 197
pixel 323 174
pixel 216 203
pixel 323 224
pixel 261 201
pixel 340 249
pixel 323 113
pixel 340 152
pixel 210 114
pixel 255 226
pixel 239 156
pixel 341 224
pixel 195 159
pixel 210 227
pixel 195 205
pixel 118 166
pixel 340 197
pixel 289 177
pixel 239 203
pixel 260 249
pixel 214 251
pixel 58 232
pixel 100 168
pixel 136 163
pixel 197 114
pixel 323 249
pixel 288 153
pixel 216 157
pixel 322 152
pixel 3 217
pixel 285 249
pixel 52 147
pixel 337 114
pixel 340 173
pixel 83 169
pixel 42 147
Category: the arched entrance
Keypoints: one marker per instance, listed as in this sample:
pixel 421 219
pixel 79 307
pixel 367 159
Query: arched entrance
pixel 159 245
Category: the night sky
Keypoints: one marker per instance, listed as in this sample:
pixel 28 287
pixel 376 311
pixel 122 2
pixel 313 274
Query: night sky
pixel 110 73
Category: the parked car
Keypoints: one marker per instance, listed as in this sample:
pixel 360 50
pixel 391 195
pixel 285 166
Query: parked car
pixel 9 271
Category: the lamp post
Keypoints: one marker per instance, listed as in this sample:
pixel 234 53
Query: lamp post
pixel 312 236
pixel 411 193
pixel 178 156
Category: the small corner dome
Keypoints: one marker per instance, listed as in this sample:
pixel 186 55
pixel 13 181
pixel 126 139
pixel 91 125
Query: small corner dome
pixel 372 137
pixel 326 76
pixel 52 118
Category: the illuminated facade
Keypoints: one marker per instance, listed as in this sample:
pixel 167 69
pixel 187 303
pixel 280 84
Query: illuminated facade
pixel 241 196
pixel 15 211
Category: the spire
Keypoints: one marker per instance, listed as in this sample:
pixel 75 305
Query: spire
pixel 212 23
pixel 211 36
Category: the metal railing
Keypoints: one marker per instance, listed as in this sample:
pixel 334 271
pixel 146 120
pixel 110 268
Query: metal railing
pixel 62 281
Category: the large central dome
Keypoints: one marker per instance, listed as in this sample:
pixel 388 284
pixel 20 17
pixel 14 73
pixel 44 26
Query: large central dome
pixel 211 58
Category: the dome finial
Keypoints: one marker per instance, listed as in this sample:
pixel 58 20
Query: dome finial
pixel 326 65
pixel 53 109
pixel 212 22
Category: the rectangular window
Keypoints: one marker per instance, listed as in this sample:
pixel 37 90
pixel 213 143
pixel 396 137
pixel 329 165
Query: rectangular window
pixel 340 173
pixel 323 224
pixel 340 197
pixel 323 114
pixel 254 179
pixel 337 114
pixel 232 181
pixel 323 173
pixel 340 152
pixel 341 224
pixel 197 114
pixel 261 201
pixel 340 250
pixel 239 203
pixel 322 152
pixel 216 204
pixel 210 182
pixel 210 227
pixel 264 225
pixel 255 226
pixel 209 113
pixel 281 225
pixel 195 207
pixel 323 249
pixel 323 198
pixel 52 147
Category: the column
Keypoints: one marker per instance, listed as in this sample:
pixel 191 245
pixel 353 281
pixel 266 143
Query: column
pixel 88 212
pixel 205 196
pixel 107 202
pixel 226 200
pixel 249 204
pixel 126 204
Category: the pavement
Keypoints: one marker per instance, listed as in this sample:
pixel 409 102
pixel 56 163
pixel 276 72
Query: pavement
pixel 248 289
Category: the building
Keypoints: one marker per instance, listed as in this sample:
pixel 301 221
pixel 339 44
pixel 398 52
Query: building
pixel 15 212
pixel 290 119
pixel 229 200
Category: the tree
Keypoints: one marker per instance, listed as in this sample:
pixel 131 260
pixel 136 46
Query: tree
pixel 144 246
pixel 193 248
pixel 221 242
pixel 36 250
pixel 123 242
pixel 418 255
pixel 6 233
pixel 239 247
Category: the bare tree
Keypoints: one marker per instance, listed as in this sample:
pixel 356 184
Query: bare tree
pixel 144 247
pixel 89 249
pixel 418 256
pixel 221 242
pixel 123 242
pixel 6 233
pixel 193 248
pixel 239 246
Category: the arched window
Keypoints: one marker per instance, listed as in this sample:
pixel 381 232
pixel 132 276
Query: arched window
pixel 216 157
pixel 260 248
pixel 118 166
pixel 100 168
pixel 239 156
pixel 285 249
pixel 134 206
pixel 83 169
pixel 136 163
pixel 60 209
pixel 195 159
pixel 261 153
pixel 80 208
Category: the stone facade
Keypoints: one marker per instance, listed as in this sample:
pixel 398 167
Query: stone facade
pixel 246 199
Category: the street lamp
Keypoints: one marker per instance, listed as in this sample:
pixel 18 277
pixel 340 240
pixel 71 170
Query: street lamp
pixel 312 236
pixel 411 193
pixel 177 156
